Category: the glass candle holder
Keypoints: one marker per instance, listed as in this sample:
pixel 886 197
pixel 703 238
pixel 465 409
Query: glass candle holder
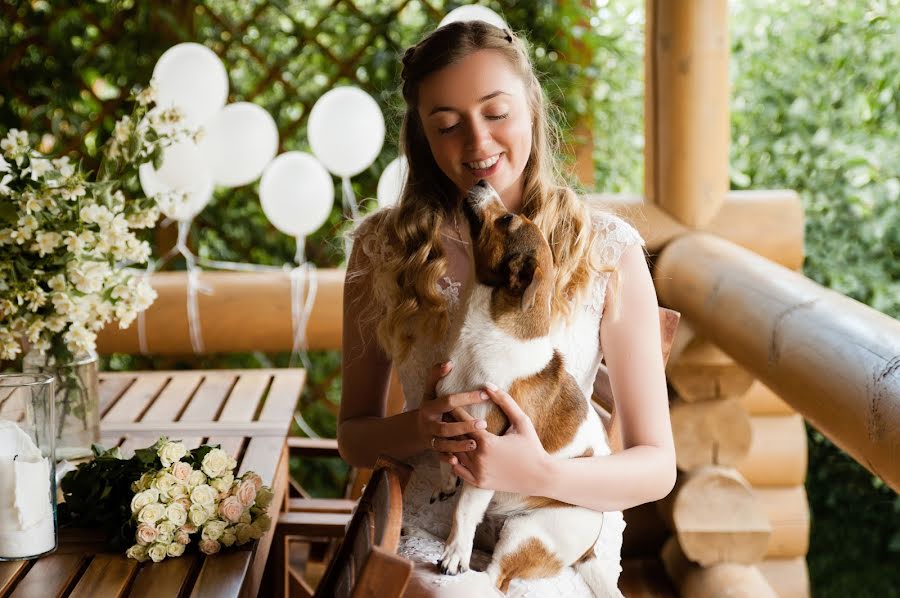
pixel 27 466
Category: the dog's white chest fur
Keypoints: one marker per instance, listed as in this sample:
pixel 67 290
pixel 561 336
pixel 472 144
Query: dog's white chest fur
pixel 484 352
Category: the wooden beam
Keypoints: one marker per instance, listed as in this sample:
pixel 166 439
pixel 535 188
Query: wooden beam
pixel 687 120
pixel 242 311
pixel 743 214
pixel 833 359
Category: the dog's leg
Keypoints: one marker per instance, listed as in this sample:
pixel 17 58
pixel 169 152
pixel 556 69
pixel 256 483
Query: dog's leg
pixel 473 503
pixel 447 485
pixel 541 542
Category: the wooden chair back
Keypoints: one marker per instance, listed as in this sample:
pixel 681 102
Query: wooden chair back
pixel 366 564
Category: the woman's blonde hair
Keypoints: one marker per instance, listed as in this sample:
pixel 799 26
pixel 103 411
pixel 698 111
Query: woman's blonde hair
pixel 405 280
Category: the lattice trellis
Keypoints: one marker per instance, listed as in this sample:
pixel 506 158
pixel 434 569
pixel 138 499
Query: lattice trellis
pixel 66 72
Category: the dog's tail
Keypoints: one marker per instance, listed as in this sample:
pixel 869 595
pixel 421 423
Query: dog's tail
pixel 597 579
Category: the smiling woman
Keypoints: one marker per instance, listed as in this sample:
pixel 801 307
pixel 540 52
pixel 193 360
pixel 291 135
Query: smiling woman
pixel 475 111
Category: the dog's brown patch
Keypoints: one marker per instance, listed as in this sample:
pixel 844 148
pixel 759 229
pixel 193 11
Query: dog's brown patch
pixel 553 401
pixel 530 560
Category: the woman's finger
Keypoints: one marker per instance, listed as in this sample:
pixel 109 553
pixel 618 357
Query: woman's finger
pixel 446 445
pixel 448 403
pixel 465 474
pixel 508 405
pixel 438 371
pixel 449 430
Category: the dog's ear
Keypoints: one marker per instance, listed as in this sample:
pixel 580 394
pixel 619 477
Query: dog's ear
pixel 524 278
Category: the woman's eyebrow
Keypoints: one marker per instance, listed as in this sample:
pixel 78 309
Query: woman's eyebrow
pixel 489 96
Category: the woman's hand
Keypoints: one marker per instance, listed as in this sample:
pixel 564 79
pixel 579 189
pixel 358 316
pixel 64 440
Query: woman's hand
pixel 434 432
pixel 515 462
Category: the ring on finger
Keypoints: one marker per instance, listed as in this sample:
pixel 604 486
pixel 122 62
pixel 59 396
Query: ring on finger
pixel 433 440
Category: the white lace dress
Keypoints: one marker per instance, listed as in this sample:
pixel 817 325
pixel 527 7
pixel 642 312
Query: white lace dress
pixel 427 524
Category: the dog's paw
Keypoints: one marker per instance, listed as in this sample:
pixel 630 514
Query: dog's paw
pixel 455 559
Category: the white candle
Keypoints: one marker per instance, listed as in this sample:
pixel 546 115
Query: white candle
pixel 27 526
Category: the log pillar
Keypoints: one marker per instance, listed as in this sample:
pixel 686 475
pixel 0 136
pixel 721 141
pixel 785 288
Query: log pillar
pixel 686 117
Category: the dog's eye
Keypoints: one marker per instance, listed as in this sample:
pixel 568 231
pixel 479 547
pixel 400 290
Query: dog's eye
pixel 505 219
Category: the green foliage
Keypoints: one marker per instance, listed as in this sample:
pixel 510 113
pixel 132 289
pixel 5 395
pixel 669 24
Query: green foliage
pixel 815 110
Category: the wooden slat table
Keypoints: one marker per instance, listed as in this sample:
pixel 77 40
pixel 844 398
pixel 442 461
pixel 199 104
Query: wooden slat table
pixel 248 412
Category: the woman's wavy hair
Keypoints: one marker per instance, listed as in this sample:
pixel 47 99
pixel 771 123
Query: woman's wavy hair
pixel 405 280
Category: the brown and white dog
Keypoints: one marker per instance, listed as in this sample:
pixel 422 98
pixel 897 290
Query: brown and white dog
pixel 504 338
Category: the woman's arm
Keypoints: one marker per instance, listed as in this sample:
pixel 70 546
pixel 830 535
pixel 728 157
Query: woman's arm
pixel 645 470
pixel 364 432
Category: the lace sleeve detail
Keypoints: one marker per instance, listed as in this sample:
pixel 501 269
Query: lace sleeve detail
pixel 371 239
pixel 614 235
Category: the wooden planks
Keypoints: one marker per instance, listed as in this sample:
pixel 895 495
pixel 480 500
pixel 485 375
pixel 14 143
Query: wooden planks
pixel 248 412
pixel 168 578
pixel 50 576
pixel 108 575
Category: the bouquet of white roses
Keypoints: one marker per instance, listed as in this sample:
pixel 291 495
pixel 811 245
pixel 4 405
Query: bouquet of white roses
pixel 65 236
pixel 166 496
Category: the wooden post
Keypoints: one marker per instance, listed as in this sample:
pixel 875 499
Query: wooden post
pixel 686 108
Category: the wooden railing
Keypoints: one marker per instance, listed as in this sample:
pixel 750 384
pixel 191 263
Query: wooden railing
pixel 833 359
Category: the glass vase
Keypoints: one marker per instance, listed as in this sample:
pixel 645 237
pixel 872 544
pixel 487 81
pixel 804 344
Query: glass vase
pixel 77 401
pixel 27 480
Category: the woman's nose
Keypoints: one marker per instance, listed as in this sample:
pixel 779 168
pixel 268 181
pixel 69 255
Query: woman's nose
pixel 478 134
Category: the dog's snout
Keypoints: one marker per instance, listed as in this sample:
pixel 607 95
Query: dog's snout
pixel 482 183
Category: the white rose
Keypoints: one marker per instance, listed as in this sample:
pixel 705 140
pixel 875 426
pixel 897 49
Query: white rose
pixel 179 490
pixel 246 493
pixel 158 552
pixel 221 486
pixel 175 549
pixel 145 534
pixel 209 546
pixel 166 532
pixel 142 499
pixel 215 463
pixel 151 513
pixel 171 452
pixel 203 495
pixel 198 515
pixel 253 477
pixel 213 529
pixel 181 470
pixel 164 482
pixel 195 478
pixel 137 552
pixel 176 513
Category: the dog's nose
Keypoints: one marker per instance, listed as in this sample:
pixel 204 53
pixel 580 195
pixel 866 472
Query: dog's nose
pixel 482 183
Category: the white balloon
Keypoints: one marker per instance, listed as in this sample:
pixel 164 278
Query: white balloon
pixel 238 143
pixel 194 196
pixel 346 130
pixel 192 77
pixel 296 193
pixel 181 164
pixel 474 13
pixel 390 185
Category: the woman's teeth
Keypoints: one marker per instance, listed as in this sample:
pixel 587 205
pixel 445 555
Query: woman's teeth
pixel 482 164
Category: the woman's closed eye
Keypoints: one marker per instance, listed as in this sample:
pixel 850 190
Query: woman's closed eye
pixel 451 128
